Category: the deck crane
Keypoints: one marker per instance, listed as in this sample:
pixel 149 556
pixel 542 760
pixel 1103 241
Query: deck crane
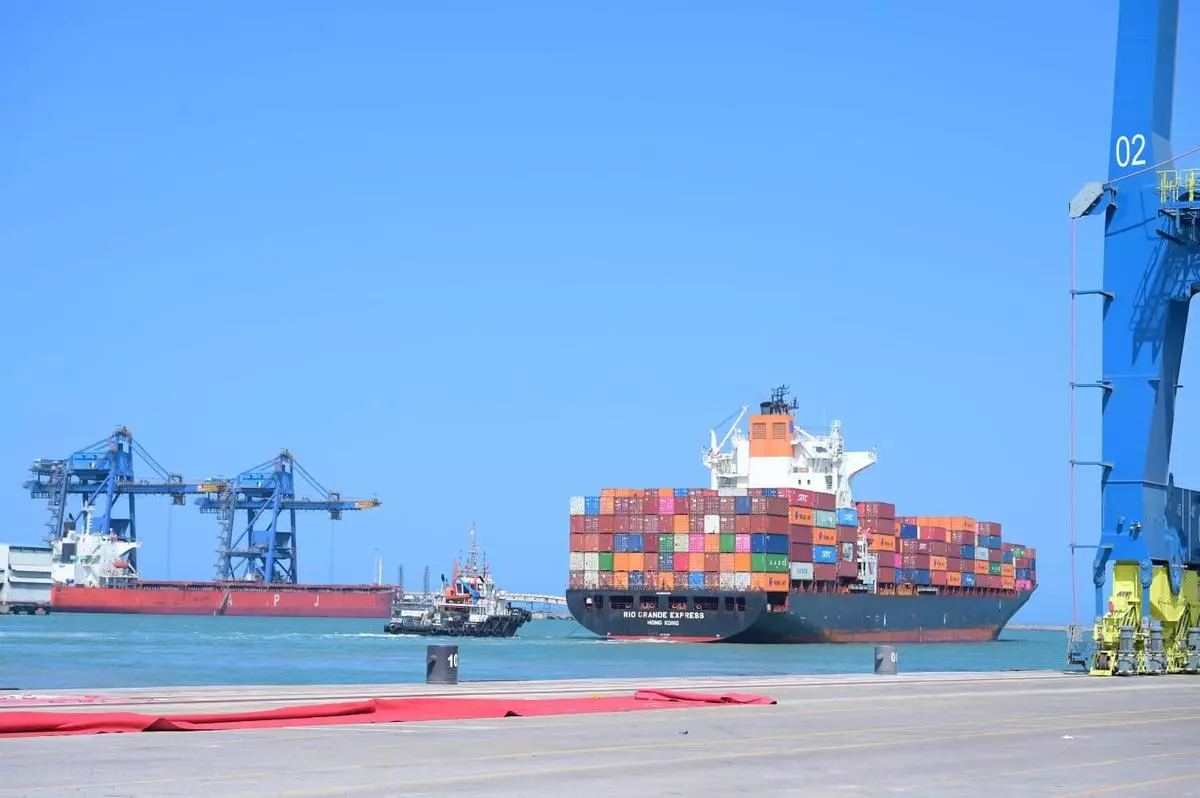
pixel 265 548
pixel 102 474
pixel 1149 623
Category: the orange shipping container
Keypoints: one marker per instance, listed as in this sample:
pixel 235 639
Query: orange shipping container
pixel 666 493
pixel 666 580
pixel 1007 569
pixel 1008 583
pixel 712 543
pixel 621 580
pixel 741 561
pixel 608 493
pixel 777 581
pixel 953 579
pixel 800 515
pixel 883 543
pixel 824 537
pixel 758 581
pixel 981 567
pixel 938 563
pixel 696 561
pixel 681 525
pixel 728 563
pixel 607 505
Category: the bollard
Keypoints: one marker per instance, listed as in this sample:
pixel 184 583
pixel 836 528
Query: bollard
pixel 886 660
pixel 441 665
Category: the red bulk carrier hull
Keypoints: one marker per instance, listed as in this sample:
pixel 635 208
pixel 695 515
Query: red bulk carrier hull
pixel 217 598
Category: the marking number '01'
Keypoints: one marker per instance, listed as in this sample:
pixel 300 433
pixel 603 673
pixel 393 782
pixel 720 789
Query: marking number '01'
pixel 1131 150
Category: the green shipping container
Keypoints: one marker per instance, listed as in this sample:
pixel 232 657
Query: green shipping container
pixel 758 563
pixel 728 543
pixel 994 568
pixel 666 544
pixel 606 561
pixel 826 519
pixel 776 563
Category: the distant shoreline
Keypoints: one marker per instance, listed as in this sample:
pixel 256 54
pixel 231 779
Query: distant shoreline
pixel 1035 627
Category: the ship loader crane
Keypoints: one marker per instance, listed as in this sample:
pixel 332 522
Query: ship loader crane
pixel 1149 622
pixel 265 548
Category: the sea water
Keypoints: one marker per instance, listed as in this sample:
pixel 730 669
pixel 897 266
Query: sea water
pixel 107 651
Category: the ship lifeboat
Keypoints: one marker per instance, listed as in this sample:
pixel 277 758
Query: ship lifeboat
pixel 120 563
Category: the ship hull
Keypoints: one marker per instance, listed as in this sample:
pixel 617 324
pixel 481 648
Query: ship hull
pixel 279 601
pixel 806 618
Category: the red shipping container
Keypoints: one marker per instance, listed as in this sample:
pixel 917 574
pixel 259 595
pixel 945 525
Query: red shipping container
pixel 621 505
pixel 987 528
pixel 920 561
pixel 683 505
pixel 591 542
pixel 940 548
pixel 758 505
pixel 995 555
pixel 637 524
pixel 847 534
pixel 954 564
pixel 768 525
pixel 961 538
pixel 681 561
pixel 938 578
pixel 650 493
pixel 933 533
pixel 712 505
pixel 577 524
pixel 847 570
pixel 826 501
pixel 650 544
pixel 637 505
pixel 696 524
pixel 801 552
pixel 591 524
pixel 797 497
pixel 877 526
pixel 606 580
pixel 578 542
pixel 742 525
pixel 712 562
pixel 650 524
pixel 621 524
pixel 728 505
pixel 695 492
pixel 754 492
pixel 729 523
pixel 885 575
pixel 825 572
pixel 712 580
pixel 801 534
pixel 606 542
pixel 908 519
pixel 881 510
pixel 606 524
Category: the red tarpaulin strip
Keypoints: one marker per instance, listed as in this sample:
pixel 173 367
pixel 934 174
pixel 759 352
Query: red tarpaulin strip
pixel 375 710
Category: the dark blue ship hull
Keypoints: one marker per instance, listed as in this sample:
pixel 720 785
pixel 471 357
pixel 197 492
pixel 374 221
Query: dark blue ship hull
pixel 751 617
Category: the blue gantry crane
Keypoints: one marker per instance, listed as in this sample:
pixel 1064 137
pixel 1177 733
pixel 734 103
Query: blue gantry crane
pixel 265 548
pixel 102 475
pixel 1149 622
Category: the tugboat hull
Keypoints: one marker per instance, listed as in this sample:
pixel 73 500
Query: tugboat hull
pixel 495 626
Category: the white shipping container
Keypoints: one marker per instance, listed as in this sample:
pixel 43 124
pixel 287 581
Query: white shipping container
pixel 591 561
pixel 981 553
pixel 577 561
pixel 681 543
pixel 712 524
pixel 591 579
pixel 728 581
pixel 741 581
pixel 576 505
pixel 733 491
pixel 802 571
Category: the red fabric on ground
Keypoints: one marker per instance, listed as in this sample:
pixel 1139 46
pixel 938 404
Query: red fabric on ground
pixel 375 710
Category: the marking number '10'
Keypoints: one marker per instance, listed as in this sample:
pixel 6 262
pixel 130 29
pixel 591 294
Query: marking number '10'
pixel 453 660
pixel 1130 150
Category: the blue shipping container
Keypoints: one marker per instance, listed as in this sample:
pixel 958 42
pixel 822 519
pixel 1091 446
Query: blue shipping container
pixel 758 543
pixel 994 542
pixel 666 562
pixel 681 492
pixel 637 579
pixel 591 505
pixel 968 551
pixel 968 580
pixel 1007 557
pixel 621 543
pixel 904 574
pixel 921 576
pixel 825 554
pixel 770 491
pixel 777 544
pixel 635 542
pixel 696 580
pixel 908 532
pixel 847 516
pixel 1023 573
pixel 741 505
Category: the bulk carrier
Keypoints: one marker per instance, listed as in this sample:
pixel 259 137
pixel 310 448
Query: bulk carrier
pixel 92 573
pixel 776 550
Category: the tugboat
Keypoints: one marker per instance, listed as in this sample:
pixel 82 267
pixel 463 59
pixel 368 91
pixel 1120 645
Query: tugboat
pixel 468 606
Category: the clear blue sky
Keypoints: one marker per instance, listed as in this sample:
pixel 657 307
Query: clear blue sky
pixel 476 261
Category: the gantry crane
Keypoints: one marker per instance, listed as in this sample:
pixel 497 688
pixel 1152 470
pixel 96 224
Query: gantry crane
pixel 265 549
pixel 103 474
pixel 1150 531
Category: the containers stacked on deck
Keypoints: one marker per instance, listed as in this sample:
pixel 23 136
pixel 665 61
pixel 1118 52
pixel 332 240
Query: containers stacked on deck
pixel 679 539
pixel 944 551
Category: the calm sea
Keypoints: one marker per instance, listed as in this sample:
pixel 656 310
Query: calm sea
pixel 105 651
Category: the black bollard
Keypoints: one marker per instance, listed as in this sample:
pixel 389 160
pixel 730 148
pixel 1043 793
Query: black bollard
pixel 886 660
pixel 441 665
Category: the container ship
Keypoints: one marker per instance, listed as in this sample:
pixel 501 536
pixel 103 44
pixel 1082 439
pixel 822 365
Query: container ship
pixel 91 572
pixel 777 550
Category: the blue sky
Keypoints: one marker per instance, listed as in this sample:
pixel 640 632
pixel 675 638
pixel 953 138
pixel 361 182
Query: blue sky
pixel 475 261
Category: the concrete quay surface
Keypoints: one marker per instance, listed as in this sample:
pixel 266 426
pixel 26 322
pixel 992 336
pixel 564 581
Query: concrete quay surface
pixel 1012 733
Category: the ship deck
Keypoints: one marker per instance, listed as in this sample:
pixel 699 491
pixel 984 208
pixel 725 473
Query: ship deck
pixel 920 734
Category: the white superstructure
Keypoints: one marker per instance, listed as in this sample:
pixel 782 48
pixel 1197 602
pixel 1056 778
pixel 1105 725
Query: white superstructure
pixel 91 559
pixel 778 454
